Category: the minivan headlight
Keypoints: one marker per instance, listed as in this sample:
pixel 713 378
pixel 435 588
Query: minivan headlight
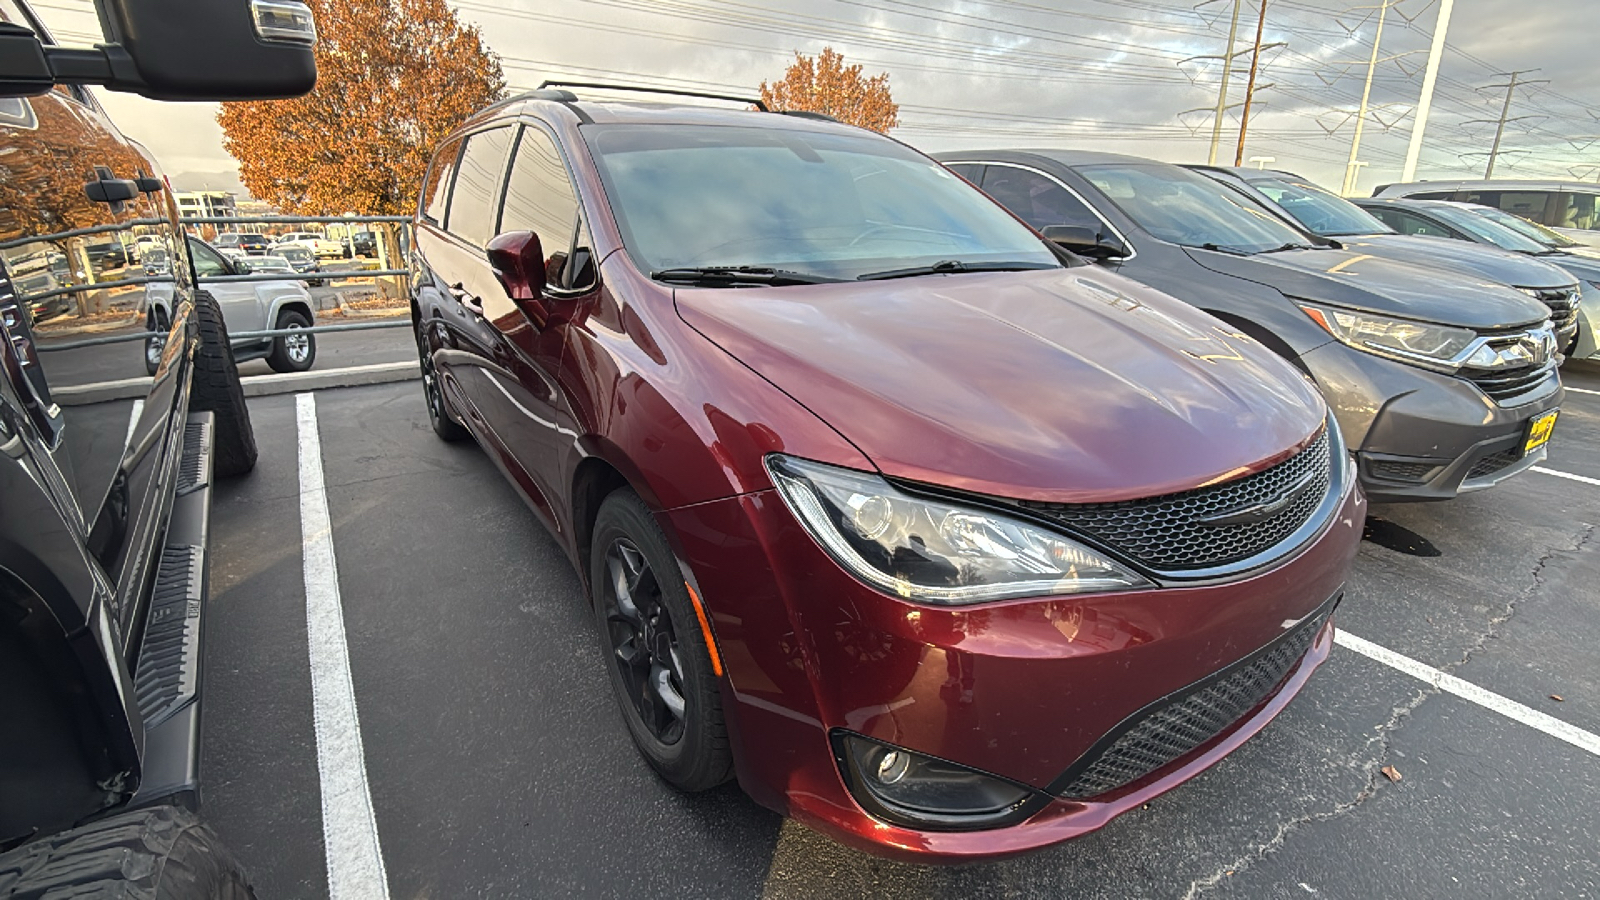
pixel 935 552
pixel 1422 343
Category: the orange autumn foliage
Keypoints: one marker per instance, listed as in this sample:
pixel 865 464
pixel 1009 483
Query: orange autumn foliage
pixel 393 78
pixel 824 84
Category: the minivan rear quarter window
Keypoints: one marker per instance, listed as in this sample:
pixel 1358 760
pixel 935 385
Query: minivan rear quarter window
pixel 820 203
pixel 477 189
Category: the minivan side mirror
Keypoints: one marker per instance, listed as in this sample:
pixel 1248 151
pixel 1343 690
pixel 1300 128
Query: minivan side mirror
pixel 518 261
pixel 175 50
pixel 1086 241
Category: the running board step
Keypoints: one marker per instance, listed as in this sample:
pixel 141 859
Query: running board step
pixel 169 663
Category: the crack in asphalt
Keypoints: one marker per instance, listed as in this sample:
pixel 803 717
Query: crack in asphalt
pixel 1383 735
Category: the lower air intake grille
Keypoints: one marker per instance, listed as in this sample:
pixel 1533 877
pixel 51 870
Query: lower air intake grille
pixel 1390 470
pixel 1170 728
pixel 1493 463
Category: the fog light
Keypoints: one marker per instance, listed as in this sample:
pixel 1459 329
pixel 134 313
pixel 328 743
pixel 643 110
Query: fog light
pixel 919 791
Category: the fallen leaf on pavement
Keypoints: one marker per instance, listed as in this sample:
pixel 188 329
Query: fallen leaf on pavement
pixel 1558 698
pixel 1391 773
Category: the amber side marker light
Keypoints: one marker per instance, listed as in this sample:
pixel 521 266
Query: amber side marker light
pixel 705 630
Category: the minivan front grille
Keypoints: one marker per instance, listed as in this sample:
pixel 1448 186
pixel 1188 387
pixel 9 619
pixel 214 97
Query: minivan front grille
pixel 1209 526
pixel 1173 726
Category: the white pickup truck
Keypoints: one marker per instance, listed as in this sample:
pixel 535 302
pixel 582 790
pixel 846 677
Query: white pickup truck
pixel 316 243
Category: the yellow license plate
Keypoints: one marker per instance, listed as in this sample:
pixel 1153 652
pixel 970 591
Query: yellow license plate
pixel 1539 428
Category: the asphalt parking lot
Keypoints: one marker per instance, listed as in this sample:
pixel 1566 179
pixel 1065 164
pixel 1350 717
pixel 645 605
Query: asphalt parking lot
pixel 497 765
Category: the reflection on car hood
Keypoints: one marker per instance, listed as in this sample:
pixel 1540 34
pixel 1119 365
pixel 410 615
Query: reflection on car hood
pixel 1449 254
pixel 1583 268
pixel 1073 385
pixel 1364 281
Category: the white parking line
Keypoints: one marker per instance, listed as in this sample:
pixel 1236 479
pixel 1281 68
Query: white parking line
pixel 1511 709
pixel 1573 390
pixel 349 829
pixel 1568 475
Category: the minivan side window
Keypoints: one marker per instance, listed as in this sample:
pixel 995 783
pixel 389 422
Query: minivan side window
pixel 1406 223
pixel 436 193
pixel 1036 199
pixel 477 190
pixel 540 198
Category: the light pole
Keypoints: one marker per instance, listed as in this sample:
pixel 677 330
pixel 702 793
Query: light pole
pixel 1420 121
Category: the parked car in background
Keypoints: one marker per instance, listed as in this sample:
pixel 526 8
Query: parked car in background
pixel 363 243
pixel 1442 383
pixel 247 306
pixel 1570 207
pixel 301 261
pixel 106 255
pixel 1327 215
pixel 1483 225
pixel 316 243
pixel 244 242
pixel 155 260
pixel 807 412
pixel 107 477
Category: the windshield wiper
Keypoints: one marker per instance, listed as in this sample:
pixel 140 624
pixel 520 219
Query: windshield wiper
pixel 730 275
pixel 1219 248
pixel 1293 246
pixel 946 266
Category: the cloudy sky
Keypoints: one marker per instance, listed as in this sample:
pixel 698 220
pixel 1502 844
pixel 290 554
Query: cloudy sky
pixel 1124 75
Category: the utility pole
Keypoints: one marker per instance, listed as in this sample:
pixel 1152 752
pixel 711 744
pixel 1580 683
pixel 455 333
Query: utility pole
pixel 1250 89
pixel 1366 92
pixel 1222 91
pixel 1420 120
pixel 1505 113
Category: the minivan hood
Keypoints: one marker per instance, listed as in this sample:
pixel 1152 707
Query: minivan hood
pixel 1368 282
pixel 1074 385
pixel 1481 260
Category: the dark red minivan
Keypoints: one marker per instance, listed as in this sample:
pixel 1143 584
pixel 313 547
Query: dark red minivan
pixel 939 540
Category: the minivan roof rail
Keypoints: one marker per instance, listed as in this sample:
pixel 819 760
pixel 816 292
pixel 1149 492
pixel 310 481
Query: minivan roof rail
pixel 600 85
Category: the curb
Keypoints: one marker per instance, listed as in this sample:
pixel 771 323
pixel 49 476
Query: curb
pixel 254 385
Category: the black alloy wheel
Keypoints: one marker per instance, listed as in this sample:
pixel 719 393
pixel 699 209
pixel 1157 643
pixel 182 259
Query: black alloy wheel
pixel 439 417
pixel 644 643
pixel 655 652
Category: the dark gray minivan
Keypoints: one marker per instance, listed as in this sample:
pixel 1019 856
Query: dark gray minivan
pixel 1442 383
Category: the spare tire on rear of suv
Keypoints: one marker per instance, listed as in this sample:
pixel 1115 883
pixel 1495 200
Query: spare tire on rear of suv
pixel 216 389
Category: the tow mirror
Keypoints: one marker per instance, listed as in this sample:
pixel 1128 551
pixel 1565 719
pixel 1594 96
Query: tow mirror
pixel 518 261
pixel 175 50
pixel 1086 241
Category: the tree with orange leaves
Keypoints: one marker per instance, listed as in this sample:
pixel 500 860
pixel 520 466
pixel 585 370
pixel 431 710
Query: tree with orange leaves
pixel 393 78
pixel 824 84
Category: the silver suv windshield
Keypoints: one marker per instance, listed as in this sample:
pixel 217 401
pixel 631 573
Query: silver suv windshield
pixel 1183 207
pixel 810 204
pixel 1530 230
pixel 1485 230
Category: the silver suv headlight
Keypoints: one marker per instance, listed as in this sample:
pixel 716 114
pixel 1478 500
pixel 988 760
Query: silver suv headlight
pixel 1443 348
pixel 936 552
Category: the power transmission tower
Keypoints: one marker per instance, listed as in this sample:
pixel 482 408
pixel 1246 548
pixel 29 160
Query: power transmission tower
pixel 1420 124
pixel 1511 86
pixel 1366 93
pixel 1222 91
pixel 1250 89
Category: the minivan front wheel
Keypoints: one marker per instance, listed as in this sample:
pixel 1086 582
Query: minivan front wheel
pixel 655 652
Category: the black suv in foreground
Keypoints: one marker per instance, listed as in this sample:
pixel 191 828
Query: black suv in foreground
pixel 106 477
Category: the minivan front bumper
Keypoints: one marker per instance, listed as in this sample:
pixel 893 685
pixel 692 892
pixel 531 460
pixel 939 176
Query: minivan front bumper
pixel 1030 691
pixel 1422 435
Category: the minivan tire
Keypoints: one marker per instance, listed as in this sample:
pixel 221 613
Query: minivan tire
pixel 699 756
pixel 284 358
pixel 162 853
pixel 215 388
pixel 439 415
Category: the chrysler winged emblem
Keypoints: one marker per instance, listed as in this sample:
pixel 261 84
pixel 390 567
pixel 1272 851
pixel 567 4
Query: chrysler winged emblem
pixel 1266 509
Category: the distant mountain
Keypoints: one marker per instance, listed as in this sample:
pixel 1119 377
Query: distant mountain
pixel 210 181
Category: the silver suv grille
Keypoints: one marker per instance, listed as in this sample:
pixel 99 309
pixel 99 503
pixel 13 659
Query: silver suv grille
pixel 1209 526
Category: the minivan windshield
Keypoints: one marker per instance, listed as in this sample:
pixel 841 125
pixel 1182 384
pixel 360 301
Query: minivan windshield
pixel 1484 230
pixel 1530 230
pixel 1322 213
pixel 1187 208
pixel 805 204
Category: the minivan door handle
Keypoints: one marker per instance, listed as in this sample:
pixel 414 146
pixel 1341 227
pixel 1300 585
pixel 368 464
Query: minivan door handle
pixel 465 298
